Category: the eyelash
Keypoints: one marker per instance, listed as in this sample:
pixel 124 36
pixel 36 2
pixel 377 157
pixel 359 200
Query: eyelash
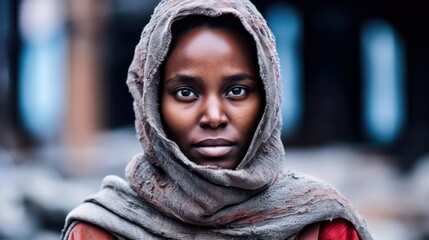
pixel 179 93
pixel 192 95
pixel 243 91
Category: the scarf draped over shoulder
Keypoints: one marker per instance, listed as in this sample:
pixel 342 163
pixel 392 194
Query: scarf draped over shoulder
pixel 166 195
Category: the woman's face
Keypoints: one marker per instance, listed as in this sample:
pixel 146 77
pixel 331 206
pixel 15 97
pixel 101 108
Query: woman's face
pixel 211 98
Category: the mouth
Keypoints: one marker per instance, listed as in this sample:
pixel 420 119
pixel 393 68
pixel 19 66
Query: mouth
pixel 214 148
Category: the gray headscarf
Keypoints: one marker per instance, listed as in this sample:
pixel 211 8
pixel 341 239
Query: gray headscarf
pixel 168 196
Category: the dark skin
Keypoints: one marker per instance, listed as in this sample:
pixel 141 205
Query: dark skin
pixel 212 98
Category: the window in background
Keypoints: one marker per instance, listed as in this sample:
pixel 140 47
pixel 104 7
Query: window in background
pixel 383 82
pixel 285 22
pixel 42 82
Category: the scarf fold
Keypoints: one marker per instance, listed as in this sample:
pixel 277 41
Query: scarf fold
pixel 168 196
pixel 296 201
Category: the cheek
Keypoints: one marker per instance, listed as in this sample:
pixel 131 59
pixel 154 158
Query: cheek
pixel 176 119
pixel 248 116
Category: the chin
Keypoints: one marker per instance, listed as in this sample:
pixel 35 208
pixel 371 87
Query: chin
pixel 224 165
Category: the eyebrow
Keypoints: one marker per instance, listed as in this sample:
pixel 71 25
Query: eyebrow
pixel 239 77
pixel 193 79
pixel 183 79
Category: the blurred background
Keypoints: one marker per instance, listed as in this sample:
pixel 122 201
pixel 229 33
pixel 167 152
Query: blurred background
pixel 356 110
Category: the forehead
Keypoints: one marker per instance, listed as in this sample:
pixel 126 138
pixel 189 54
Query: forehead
pixel 218 40
pixel 212 50
pixel 227 22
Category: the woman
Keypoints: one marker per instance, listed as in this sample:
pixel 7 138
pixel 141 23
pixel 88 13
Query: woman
pixel 205 82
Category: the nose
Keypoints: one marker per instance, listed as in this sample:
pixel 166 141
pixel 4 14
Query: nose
pixel 213 116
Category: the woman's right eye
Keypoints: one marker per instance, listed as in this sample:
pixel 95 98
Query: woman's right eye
pixel 185 93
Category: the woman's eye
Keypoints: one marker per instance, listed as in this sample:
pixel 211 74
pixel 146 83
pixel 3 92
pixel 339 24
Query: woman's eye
pixel 237 91
pixel 185 93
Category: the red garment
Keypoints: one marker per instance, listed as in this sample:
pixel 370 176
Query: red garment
pixel 338 229
pixel 86 231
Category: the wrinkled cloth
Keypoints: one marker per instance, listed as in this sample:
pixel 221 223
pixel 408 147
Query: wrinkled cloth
pixel 166 195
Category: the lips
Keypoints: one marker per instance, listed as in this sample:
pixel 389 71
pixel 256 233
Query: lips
pixel 214 148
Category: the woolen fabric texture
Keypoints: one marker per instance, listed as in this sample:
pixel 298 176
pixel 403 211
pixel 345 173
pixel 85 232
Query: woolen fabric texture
pixel 166 195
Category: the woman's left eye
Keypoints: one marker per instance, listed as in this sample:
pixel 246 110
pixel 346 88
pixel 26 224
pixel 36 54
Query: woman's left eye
pixel 236 91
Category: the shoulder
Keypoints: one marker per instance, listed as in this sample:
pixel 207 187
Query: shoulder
pixel 337 229
pixel 87 231
pixel 298 186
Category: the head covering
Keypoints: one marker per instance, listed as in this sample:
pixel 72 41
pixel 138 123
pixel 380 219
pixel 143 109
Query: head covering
pixel 168 196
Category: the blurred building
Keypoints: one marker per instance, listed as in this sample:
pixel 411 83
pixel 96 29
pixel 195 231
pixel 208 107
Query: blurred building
pixel 352 72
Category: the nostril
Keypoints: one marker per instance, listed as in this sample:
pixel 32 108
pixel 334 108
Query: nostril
pixel 213 122
pixel 213 125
